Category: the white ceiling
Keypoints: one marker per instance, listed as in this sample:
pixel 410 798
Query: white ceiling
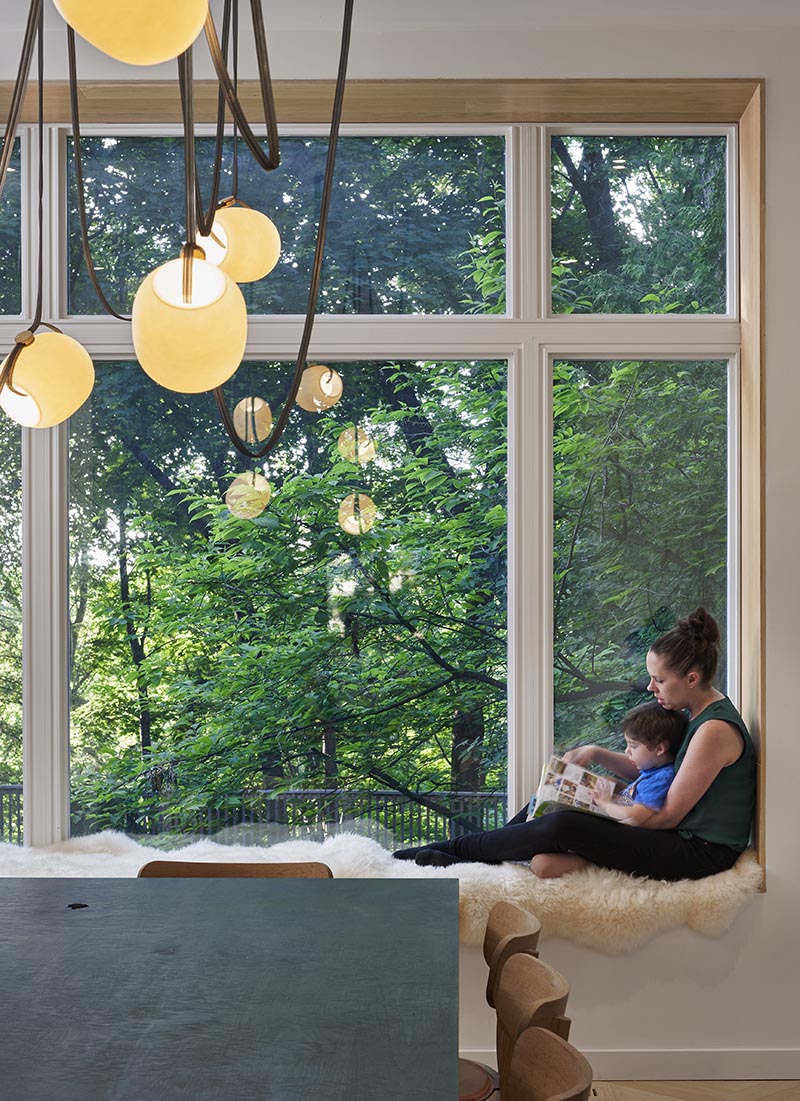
pixel 493 13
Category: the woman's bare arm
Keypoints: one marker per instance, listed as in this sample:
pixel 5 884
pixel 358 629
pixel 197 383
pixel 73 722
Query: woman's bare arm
pixel 715 745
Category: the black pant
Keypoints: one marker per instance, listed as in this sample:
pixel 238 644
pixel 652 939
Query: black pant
pixel 657 854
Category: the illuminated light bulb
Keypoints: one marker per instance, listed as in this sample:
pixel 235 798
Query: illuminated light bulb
pixel 252 419
pixel 247 496
pixel 354 518
pixel 320 388
pixel 248 245
pixel 208 284
pixel 138 32
pixel 189 347
pixel 356 446
pixel 54 375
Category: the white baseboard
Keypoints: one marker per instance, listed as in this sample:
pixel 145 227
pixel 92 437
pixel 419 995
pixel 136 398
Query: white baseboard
pixel 684 1065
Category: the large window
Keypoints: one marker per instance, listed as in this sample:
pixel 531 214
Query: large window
pixel 283 673
pixel 539 326
pixel 640 526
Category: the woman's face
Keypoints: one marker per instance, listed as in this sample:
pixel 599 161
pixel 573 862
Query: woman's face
pixel 672 690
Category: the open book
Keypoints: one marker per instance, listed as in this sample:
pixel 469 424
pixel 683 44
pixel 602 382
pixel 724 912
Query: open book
pixel 569 786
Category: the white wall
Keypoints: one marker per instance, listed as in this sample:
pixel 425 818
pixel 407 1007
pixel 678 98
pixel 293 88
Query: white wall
pixel 684 1006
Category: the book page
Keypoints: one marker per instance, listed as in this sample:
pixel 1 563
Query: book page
pixel 571 786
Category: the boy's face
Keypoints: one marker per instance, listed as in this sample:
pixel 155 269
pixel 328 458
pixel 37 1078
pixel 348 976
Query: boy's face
pixel 643 756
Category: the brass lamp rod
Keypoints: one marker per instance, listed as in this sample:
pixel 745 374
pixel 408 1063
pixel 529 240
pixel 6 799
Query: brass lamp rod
pixel 316 270
pixel 33 32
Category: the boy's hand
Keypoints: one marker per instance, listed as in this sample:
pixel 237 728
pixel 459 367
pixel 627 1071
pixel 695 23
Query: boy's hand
pixel 582 755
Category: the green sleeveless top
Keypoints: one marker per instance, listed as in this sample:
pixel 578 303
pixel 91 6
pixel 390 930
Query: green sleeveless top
pixel 725 813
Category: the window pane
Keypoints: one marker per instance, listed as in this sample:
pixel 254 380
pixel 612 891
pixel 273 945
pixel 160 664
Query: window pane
pixel 11 636
pixel 416 223
pixel 638 224
pixel 10 239
pixel 278 670
pixel 640 526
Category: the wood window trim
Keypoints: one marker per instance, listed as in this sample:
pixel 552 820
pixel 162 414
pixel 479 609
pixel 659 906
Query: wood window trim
pixel 738 102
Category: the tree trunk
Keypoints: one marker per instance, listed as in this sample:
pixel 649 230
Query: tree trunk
pixel 135 642
pixel 467 771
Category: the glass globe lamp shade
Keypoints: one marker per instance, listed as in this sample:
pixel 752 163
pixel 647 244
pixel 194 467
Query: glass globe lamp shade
pixel 138 32
pixel 252 419
pixel 54 375
pixel 243 242
pixel 247 496
pixel 189 347
pixel 356 446
pixel 320 388
pixel 357 517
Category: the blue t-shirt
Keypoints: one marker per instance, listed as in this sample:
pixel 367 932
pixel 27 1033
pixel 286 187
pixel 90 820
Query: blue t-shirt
pixel 650 787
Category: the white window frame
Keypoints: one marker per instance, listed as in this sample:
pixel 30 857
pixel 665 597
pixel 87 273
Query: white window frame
pixel 526 337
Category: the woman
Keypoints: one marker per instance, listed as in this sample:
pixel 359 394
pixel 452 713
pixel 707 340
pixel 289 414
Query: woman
pixel 705 822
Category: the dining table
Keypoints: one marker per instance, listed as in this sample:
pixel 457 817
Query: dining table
pixel 275 989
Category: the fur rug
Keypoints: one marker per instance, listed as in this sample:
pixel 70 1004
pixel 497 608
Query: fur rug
pixel 601 909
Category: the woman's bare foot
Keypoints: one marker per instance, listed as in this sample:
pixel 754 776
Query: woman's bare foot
pixel 554 865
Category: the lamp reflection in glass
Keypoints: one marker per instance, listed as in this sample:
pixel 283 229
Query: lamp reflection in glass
pixel 189 346
pixel 356 446
pixel 248 495
pixel 357 514
pixel 320 388
pixel 138 32
pixel 244 243
pixel 252 419
pixel 52 378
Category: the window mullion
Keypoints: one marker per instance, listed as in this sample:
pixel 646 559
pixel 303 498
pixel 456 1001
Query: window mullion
pixel 45 660
pixel 45 545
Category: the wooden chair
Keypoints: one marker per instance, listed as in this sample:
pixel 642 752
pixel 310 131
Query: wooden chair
pixel 546 1068
pixel 197 869
pixel 528 993
pixel 509 929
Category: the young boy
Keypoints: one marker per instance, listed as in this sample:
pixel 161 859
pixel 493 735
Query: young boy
pixel 652 738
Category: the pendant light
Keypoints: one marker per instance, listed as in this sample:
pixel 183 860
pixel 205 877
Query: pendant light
pixel 252 418
pixel 356 446
pixel 357 514
pixel 244 243
pixel 138 32
pixel 52 377
pixel 320 388
pixel 47 376
pixel 248 495
pixel 189 318
pixel 189 343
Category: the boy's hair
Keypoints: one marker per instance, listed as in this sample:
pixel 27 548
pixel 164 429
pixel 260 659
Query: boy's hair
pixel 651 724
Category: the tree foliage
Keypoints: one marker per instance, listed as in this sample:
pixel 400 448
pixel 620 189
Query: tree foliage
pixel 282 652
pixel 638 224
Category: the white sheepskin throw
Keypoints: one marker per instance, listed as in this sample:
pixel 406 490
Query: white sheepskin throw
pixel 601 909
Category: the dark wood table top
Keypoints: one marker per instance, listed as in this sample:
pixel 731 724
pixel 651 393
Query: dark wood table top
pixel 210 988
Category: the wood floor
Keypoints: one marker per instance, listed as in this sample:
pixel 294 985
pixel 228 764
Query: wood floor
pixel 696 1091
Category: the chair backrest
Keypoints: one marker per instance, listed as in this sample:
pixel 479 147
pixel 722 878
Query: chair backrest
pixel 546 1068
pixel 197 869
pixel 509 930
pixel 529 992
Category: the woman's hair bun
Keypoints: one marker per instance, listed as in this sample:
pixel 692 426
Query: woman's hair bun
pixel 700 623
pixel 693 643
